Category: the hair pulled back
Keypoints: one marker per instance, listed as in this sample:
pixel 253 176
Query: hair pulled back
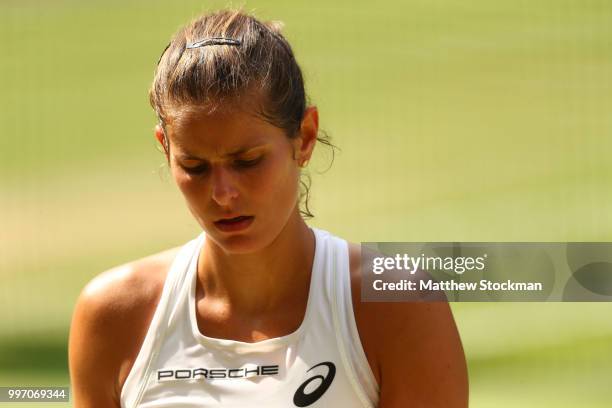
pixel 221 75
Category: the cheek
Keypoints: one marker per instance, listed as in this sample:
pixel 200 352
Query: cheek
pixel 188 185
pixel 280 182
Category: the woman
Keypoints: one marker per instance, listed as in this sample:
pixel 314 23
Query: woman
pixel 260 309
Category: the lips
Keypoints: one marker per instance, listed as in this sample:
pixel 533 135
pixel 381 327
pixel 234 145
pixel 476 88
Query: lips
pixel 233 224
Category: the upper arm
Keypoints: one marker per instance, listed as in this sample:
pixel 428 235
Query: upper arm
pixel 109 323
pixel 413 348
pixel 93 357
pixel 422 360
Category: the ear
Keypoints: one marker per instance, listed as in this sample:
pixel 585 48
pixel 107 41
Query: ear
pixel 163 140
pixel 309 129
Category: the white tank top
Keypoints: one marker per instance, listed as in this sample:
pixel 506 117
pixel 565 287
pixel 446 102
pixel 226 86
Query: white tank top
pixel 321 364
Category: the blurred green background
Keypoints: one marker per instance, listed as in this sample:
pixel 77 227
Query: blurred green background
pixel 458 121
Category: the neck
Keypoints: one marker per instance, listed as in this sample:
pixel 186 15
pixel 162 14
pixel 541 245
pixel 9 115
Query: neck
pixel 264 280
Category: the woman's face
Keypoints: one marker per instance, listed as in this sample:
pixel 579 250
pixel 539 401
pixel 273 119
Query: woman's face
pixel 238 173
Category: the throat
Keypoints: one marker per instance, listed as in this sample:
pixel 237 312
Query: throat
pixel 252 298
pixel 257 283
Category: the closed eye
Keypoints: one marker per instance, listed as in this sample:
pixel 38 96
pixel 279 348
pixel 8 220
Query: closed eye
pixel 238 164
pixel 247 163
pixel 197 169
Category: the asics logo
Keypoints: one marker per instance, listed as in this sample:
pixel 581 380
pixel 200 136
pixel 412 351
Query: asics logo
pixel 303 399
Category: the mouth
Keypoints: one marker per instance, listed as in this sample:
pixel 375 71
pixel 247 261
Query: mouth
pixel 233 224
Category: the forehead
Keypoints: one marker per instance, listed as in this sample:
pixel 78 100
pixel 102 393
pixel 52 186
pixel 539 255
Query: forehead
pixel 194 131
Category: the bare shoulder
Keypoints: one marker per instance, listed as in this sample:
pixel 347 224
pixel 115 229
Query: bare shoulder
pixel 413 348
pixel 109 323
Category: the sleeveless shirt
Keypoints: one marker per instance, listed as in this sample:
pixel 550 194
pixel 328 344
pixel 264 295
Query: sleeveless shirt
pixel 321 364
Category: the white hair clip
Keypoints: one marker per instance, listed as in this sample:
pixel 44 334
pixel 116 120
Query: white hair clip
pixel 213 41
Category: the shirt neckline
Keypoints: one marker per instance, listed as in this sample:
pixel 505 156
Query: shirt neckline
pixel 259 346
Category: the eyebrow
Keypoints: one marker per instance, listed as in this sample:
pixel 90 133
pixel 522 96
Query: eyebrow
pixel 234 153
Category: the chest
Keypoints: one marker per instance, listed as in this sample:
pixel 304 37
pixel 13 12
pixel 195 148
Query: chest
pixel 303 369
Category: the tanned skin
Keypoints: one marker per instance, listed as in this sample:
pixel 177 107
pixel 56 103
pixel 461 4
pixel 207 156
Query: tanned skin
pixel 413 349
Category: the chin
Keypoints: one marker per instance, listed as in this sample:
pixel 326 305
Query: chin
pixel 240 243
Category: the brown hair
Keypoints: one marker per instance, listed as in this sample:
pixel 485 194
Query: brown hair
pixel 259 59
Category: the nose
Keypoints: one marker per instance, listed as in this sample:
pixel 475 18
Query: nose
pixel 223 187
